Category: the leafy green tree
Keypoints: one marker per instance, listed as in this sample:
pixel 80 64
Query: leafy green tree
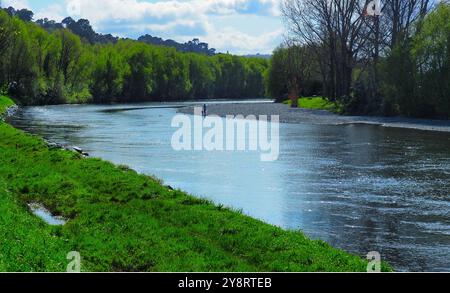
pixel 231 81
pixel 21 75
pixel 177 73
pixel 277 85
pixel 431 51
pixel 70 52
pixel 254 77
pixel 138 81
pixel 202 74
pixel 108 75
pixel 398 86
pixel 293 71
pixel 5 32
pixel 416 74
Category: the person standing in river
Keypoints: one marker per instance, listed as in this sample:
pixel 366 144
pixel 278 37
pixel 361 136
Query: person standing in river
pixel 205 111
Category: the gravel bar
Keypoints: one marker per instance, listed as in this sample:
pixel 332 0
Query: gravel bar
pixel 290 115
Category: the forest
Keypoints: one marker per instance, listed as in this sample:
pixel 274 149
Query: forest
pixel 384 57
pixel 54 66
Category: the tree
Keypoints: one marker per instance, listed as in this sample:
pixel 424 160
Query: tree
pixel 5 31
pixel 231 79
pixel 431 52
pixel 138 81
pixel 177 74
pixel 293 73
pixel 416 79
pixel 334 29
pixel 70 52
pixel 202 76
pixel 25 14
pixel 254 80
pixel 108 75
pixel 20 70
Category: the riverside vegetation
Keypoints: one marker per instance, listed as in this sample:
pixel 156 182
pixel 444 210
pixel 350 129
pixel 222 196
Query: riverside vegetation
pixel 57 66
pixel 393 63
pixel 119 220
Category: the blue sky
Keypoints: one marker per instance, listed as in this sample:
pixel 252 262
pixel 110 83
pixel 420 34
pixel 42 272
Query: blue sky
pixel 237 26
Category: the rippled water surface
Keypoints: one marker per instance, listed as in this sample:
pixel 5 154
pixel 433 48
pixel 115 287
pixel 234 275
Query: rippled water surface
pixel 360 188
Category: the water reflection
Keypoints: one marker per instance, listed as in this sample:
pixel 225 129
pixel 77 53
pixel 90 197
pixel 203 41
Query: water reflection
pixel 360 187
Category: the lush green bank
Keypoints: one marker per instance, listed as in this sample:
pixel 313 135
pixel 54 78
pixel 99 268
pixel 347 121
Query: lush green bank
pixel 5 102
pixel 316 103
pixel 122 221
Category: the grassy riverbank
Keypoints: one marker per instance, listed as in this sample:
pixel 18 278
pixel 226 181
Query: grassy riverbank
pixel 5 102
pixel 316 103
pixel 123 221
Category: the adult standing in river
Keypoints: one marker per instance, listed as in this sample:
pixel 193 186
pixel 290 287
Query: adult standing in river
pixel 205 111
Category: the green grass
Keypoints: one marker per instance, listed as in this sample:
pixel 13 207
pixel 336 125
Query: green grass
pixel 316 103
pixel 5 102
pixel 119 220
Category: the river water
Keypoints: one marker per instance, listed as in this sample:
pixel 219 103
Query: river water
pixel 360 188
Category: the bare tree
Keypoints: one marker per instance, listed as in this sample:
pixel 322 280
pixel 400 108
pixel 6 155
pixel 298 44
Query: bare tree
pixel 334 28
pixel 344 34
pixel 401 15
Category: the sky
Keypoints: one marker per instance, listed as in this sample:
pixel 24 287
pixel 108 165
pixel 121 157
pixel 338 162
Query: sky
pixel 235 26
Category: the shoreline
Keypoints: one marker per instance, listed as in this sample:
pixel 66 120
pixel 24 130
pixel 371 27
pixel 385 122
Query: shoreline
pixel 321 117
pixel 157 223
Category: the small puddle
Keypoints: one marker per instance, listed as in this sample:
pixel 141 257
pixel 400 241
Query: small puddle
pixel 41 212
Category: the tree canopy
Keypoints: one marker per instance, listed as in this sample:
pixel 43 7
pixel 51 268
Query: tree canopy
pixel 58 66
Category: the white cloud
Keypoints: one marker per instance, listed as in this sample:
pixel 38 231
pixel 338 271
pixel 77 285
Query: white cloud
pixel 18 4
pixel 237 42
pixel 101 10
pixel 180 20
pixel 54 12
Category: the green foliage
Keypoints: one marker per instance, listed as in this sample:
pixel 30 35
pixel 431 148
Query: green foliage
pixel 108 75
pixel 255 81
pixel 5 103
pixel 398 84
pixel 230 80
pixel 416 74
pixel 202 72
pixel 42 68
pixel 431 52
pixel 288 64
pixel 277 84
pixel 316 103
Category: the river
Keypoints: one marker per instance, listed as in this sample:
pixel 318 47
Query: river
pixel 360 188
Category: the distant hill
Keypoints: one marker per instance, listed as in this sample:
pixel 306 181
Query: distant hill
pixel 84 30
pixel 262 56
pixel 194 46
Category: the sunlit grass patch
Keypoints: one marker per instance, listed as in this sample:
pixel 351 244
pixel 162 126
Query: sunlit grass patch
pixel 5 102
pixel 316 103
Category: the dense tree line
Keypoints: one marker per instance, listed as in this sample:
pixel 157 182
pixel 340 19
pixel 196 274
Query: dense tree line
pixel 41 67
pixel 373 57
